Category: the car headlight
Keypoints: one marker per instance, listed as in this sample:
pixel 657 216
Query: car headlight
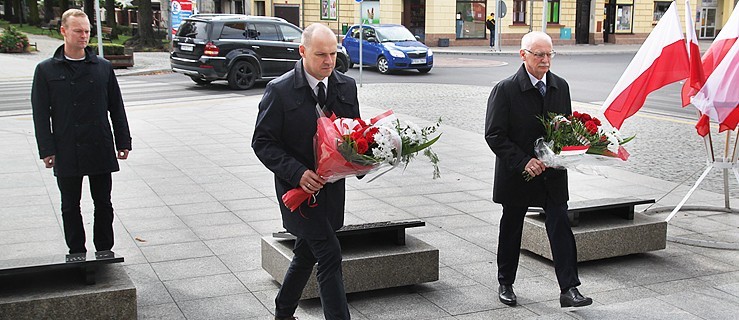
pixel 397 53
pixel 429 53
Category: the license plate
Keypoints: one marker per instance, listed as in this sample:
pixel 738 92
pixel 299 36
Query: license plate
pixel 186 47
pixel 418 61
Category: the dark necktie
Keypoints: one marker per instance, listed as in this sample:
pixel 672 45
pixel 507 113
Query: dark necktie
pixel 542 88
pixel 322 94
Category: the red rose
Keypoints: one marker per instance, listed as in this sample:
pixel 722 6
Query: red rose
pixel 362 145
pixel 370 134
pixel 592 128
pixel 597 121
pixel 356 135
pixel 585 117
pixel 576 114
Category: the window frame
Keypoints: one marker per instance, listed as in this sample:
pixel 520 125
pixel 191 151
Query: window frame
pixel 552 14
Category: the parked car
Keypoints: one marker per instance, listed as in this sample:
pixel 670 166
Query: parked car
pixel 388 47
pixel 238 48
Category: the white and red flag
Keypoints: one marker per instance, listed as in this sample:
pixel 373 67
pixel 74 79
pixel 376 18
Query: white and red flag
pixel 661 60
pixel 719 97
pixel 716 54
pixel 697 77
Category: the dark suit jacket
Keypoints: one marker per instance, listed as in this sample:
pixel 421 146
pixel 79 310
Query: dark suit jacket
pixel 283 141
pixel 512 127
pixel 70 115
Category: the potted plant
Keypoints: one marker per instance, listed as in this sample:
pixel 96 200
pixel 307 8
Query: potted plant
pixel 13 41
pixel 118 55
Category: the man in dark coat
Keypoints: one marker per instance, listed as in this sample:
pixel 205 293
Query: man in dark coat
pixel 511 128
pixel 73 93
pixel 283 141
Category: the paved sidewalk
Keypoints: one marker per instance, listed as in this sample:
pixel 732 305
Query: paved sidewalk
pixel 192 203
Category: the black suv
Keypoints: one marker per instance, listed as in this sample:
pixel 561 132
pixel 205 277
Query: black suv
pixel 238 48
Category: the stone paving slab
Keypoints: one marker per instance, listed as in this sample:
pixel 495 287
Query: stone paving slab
pixel 462 224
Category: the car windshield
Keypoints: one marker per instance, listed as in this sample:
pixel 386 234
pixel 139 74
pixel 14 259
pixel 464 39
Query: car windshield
pixel 394 34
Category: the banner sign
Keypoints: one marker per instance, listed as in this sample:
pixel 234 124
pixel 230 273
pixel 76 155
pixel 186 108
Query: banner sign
pixel 181 10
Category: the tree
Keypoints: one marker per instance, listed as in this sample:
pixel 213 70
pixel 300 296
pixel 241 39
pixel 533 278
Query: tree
pixel 63 5
pixel 33 17
pixel 110 18
pixel 145 37
pixel 48 10
pixel 89 7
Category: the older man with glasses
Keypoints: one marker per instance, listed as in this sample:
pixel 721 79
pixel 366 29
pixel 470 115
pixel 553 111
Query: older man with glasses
pixel 511 128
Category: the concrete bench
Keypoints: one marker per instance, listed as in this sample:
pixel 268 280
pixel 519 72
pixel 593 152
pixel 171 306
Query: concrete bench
pixel 392 230
pixel 622 207
pixel 88 263
pixel 81 286
pixel 375 256
pixel 603 228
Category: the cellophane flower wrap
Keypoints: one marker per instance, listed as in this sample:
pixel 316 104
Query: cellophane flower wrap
pixel 567 139
pixel 347 147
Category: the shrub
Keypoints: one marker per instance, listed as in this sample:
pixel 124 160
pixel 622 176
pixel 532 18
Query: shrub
pixel 13 40
pixel 109 49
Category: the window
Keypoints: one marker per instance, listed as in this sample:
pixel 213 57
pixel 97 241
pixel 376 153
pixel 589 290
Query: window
pixel 519 11
pixel 233 30
pixel 263 31
pixel 553 11
pixel 624 15
pixel 660 7
pixel 290 34
pixel 471 19
pixel 193 29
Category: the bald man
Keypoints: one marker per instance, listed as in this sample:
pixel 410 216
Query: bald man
pixel 283 141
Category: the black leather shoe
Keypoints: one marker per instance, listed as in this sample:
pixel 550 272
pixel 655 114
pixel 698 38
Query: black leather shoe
pixel 573 298
pixel 506 295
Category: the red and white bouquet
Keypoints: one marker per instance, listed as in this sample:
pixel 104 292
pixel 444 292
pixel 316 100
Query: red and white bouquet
pixel 347 147
pixel 567 138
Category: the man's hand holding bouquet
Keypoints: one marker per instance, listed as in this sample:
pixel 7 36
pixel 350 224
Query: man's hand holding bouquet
pixel 568 138
pixel 347 147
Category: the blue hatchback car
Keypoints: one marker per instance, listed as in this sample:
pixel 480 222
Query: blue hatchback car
pixel 389 47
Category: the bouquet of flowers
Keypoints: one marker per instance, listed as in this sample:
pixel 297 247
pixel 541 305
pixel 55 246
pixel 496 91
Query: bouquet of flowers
pixel 354 147
pixel 567 138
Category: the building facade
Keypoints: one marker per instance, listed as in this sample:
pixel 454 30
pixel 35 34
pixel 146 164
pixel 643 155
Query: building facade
pixel 462 22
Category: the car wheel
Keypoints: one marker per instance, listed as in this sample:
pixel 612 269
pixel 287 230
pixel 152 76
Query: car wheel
pixel 242 75
pixel 341 65
pixel 383 66
pixel 200 81
pixel 424 70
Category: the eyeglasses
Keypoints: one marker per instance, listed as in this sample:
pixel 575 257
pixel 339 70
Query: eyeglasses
pixel 540 55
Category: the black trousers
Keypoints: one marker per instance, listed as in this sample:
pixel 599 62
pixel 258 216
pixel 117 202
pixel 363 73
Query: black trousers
pixel 327 253
pixel 561 241
pixel 74 230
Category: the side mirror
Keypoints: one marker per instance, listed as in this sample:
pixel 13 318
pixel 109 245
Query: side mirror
pixel 418 38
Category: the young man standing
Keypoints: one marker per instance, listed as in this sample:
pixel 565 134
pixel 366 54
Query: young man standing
pixel 74 93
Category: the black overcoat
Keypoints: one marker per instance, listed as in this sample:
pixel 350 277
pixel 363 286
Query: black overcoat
pixel 512 127
pixel 283 141
pixel 70 115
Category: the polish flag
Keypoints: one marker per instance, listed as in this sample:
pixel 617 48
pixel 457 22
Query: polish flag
pixel 661 60
pixel 719 97
pixel 696 78
pixel 711 59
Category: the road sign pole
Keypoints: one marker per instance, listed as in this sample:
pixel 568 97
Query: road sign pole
pixel 361 35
